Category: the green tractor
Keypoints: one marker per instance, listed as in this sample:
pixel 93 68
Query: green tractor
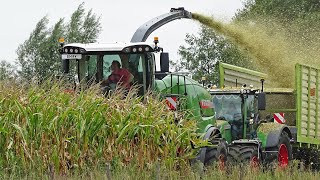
pixel 249 137
pixel 267 125
pixel 149 66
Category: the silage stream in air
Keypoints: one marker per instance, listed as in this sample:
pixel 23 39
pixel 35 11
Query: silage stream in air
pixel 273 51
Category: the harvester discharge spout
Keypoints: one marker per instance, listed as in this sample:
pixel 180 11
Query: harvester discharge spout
pixel 143 32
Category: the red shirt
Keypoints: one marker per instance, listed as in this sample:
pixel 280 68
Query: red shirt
pixel 120 75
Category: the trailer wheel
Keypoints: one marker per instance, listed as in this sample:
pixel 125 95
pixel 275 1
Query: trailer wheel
pixel 284 149
pixel 216 154
pixel 244 154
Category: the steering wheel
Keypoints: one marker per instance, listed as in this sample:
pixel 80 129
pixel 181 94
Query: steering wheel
pixel 221 118
pixel 107 88
pixel 237 116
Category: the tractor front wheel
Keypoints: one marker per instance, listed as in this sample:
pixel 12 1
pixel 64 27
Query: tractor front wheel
pixel 216 154
pixel 244 154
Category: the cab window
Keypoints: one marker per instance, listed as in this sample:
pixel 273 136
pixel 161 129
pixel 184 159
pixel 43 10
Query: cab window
pixel 107 61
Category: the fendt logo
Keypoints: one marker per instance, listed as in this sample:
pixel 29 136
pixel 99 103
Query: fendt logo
pixel 205 104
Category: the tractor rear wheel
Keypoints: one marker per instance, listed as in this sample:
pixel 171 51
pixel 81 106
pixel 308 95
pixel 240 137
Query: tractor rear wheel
pixel 284 150
pixel 240 154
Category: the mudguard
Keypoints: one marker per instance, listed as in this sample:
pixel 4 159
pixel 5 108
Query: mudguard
pixel 206 136
pixel 269 133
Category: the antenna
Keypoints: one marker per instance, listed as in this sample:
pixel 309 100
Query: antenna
pixel 262 81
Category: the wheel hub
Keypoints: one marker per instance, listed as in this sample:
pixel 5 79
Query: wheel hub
pixel 222 162
pixel 283 156
pixel 254 162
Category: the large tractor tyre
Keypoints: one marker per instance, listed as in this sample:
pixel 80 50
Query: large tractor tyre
pixel 208 156
pixel 216 154
pixel 284 151
pixel 244 154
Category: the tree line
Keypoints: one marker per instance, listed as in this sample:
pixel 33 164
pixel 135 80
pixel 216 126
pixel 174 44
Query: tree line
pixel 38 57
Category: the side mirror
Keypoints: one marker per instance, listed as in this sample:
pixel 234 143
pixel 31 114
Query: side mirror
pixel 65 65
pixel 262 101
pixel 164 62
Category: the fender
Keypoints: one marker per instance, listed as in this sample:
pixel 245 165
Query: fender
pixel 271 134
pixel 206 136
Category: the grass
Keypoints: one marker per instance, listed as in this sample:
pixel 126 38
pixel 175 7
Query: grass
pixel 157 171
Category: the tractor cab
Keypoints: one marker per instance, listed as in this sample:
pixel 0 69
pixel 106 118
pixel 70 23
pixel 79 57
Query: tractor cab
pixel 91 63
pixel 240 108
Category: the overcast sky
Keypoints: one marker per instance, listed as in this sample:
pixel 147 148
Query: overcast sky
pixel 119 19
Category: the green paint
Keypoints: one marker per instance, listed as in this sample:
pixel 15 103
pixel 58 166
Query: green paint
pixel 221 74
pixel 317 102
pixel 263 138
pixel 244 118
pixel 298 100
pixel 226 133
pixel 307 140
pixel 281 110
pixel 308 126
pixel 243 70
pixel 307 74
pixel 190 93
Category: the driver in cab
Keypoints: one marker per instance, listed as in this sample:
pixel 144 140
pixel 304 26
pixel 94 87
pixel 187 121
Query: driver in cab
pixel 119 76
pixel 232 113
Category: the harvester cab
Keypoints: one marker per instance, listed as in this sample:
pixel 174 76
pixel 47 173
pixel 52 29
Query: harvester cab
pixel 92 62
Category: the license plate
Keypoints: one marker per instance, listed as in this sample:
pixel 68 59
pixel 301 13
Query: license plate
pixel 71 56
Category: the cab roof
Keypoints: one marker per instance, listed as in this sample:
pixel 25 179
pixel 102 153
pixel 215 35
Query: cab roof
pixel 266 90
pixel 118 46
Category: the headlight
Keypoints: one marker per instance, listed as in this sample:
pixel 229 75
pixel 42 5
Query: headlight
pixel 71 50
pixel 76 51
pixel 146 49
pixel 66 50
pixel 140 49
pixel 127 50
pixel 134 49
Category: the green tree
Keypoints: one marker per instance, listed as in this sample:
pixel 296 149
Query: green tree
pixel 38 56
pixel 202 52
pixel 298 17
pixel 7 70
pixel 286 11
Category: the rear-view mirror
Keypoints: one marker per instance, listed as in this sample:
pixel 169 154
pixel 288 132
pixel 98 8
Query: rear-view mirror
pixel 65 65
pixel 164 62
pixel 261 101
